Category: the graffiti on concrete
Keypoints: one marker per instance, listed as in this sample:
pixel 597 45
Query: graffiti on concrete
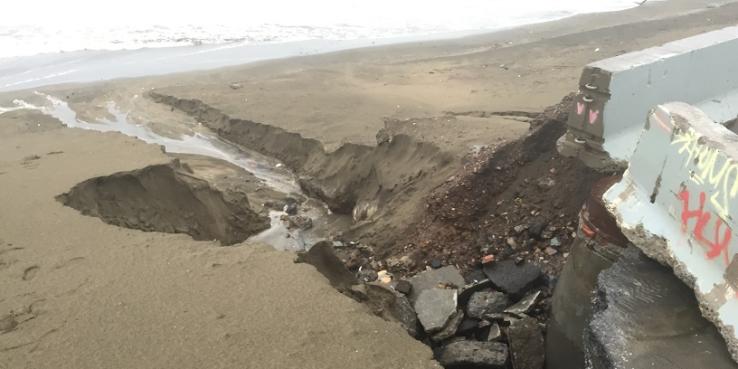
pixel 717 243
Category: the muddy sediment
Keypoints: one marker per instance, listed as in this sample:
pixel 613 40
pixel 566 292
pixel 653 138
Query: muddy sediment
pixel 167 198
pixel 381 186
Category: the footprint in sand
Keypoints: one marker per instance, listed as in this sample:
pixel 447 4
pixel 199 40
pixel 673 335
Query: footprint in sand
pixel 30 272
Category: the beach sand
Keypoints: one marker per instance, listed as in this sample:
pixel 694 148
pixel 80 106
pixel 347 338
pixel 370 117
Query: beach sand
pixel 79 293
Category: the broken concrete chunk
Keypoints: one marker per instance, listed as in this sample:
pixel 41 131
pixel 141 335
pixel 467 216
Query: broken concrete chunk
pixel 432 278
pixel 486 302
pixel 434 308
pixel 386 303
pixel 460 354
pixel 451 327
pixel 526 344
pixel 511 278
pixel 525 304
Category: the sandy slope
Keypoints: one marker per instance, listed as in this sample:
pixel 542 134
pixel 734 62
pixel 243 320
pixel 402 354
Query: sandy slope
pixel 84 294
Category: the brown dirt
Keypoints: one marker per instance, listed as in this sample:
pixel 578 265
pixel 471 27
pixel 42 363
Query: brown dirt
pixel 166 198
pixel 523 183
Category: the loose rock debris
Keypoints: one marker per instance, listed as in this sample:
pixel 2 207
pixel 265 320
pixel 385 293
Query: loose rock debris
pixel 467 324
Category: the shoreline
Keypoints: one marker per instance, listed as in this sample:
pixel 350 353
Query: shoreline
pixel 90 66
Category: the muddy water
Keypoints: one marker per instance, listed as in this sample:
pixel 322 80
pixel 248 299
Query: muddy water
pixel 273 173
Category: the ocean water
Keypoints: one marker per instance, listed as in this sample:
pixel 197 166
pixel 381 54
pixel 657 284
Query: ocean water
pixel 52 26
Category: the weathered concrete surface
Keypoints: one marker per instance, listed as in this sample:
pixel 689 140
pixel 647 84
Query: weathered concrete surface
pixel 646 318
pixel 617 93
pixel 677 202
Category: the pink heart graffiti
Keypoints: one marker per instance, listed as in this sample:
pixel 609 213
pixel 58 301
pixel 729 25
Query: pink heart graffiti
pixel 593 114
pixel 580 108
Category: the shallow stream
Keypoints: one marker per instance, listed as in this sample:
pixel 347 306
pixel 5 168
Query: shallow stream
pixel 273 173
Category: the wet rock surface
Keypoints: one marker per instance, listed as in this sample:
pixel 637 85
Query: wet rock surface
pixel 645 317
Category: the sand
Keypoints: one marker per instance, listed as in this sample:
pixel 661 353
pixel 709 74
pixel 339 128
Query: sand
pixel 85 294
pixel 76 292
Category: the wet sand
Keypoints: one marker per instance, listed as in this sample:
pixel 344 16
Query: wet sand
pixel 79 293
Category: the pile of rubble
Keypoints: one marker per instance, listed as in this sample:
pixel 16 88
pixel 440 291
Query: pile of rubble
pixel 490 319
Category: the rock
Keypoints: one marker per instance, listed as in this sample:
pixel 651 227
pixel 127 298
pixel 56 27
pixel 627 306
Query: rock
pixel 468 290
pixel 338 244
pixel 526 344
pixel 512 243
pixel 435 264
pixel 468 325
pixel 298 221
pixel 459 354
pixel 555 242
pixel 486 302
pixel 495 333
pixel 518 229
pixel 235 86
pixel 367 275
pixel 546 183
pixel 400 263
pixel 512 278
pixel 525 304
pixel 550 251
pixel 536 228
pixel 290 208
pixel 434 308
pixel 404 287
pixel 392 306
pixel 384 276
pixel 451 327
pixel 432 278
pixel 383 136
pixel 322 257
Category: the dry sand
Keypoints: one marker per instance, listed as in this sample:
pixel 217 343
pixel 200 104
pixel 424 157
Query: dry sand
pixel 78 293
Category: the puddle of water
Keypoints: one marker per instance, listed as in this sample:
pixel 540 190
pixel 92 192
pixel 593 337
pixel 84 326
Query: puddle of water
pixel 264 168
